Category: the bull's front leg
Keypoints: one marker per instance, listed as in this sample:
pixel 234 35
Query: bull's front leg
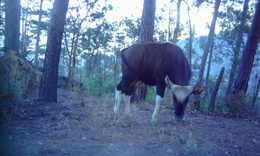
pixel 118 97
pixel 127 106
pixel 156 110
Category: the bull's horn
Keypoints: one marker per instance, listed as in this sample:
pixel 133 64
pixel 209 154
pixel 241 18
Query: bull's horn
pixel 173 86
pixel 168 81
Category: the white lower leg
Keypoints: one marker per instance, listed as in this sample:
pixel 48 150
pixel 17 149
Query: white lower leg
pixel 156 109
pixel 127 105
pixel 118 97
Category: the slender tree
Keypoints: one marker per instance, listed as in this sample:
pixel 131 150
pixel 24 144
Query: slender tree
pixel 176 30
pixel 191 33
pixel 215 91
pixel 12 25
pixel 80 35
pixel 48 85
pixel 255 93
pixel 239 40
pixel 37 47
pixel 207 48
pixel 73 55
pixel 206 90
pixel 24 28
pixel 245 66
pixel 78 28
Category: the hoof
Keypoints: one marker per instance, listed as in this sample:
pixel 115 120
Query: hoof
pixel 127 124
pixel 153 123
pixel 129 121
pixel 116 118
pixel 178 118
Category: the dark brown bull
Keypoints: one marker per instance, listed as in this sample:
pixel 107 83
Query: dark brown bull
pixel 157 65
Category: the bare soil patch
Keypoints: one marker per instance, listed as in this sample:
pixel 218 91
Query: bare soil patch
pixel 82 125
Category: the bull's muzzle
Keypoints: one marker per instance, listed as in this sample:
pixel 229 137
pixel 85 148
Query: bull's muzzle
pixel 178 118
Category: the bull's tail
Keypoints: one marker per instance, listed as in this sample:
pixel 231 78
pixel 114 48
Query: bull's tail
pixel 125 61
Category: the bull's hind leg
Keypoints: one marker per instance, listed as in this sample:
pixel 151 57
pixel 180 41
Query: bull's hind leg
pixel 118 98
pixel 128 115
pixel 127 97
pixel 124 89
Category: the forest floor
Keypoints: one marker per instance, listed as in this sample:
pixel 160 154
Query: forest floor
pixel 82 125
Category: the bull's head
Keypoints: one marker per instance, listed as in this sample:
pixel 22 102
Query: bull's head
pixel 181 96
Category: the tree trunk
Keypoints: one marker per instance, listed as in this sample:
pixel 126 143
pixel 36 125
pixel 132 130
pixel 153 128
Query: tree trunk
pixel 206 49
pixel 146 35
pixel 237 49
pixel 72 64
pixel 245 67
pixel 73 55
pixel 147 23
pixel 24 38
pixel 176 30
pixel 12 25
pixel 48 85
pixel 38 36
pixel 215 91
pixel 206 90
pixel 69 52
pixel 191 37
pixel 191 34
pixel 255 93
pixel 169 25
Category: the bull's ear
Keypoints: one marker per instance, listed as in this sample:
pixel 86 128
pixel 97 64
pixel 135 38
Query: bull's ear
pixel 198 89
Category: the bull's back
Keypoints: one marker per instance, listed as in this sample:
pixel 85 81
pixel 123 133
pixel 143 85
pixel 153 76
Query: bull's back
pixel 148 60
pixel 139 52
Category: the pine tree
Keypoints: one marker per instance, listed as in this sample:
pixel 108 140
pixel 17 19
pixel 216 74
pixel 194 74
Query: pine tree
pixel 48 85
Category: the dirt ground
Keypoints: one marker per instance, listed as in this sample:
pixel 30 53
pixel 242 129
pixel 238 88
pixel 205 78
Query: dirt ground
pixel 82 125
